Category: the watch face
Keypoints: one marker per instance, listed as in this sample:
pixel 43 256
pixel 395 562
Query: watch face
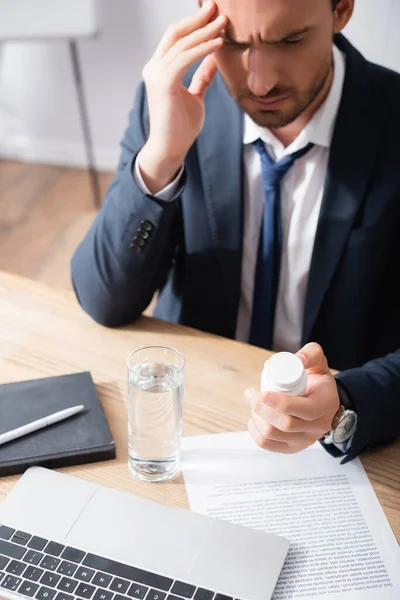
pixel 346 427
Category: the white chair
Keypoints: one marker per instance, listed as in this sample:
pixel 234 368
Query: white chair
pixel 31 20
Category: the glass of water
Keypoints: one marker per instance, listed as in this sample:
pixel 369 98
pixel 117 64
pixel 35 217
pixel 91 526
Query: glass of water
pixel 155 396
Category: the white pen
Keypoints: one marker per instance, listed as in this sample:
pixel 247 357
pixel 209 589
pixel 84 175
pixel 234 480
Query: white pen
pixel 40 423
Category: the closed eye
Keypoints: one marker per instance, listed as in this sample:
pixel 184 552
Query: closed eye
pixel 293 42
pixel 242 46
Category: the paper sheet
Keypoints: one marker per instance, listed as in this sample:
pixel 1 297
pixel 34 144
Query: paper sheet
pixel 342 547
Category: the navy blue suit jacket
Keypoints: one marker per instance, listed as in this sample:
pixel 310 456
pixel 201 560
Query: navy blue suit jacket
pixel 194 253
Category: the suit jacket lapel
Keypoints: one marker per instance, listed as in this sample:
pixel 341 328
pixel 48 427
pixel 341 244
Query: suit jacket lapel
pixel 353 152
pixel 220 147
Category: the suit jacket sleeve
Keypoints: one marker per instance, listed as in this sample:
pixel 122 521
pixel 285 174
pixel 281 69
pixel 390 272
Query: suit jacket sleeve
pixel 113 282
pixel 374 390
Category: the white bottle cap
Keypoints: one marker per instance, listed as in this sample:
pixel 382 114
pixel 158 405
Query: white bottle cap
pixel 285 372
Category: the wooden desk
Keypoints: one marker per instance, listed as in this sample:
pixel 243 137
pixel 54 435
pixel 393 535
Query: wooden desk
pixel 44 332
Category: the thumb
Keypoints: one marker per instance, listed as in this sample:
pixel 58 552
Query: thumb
pixel 313 358
pixel 203 77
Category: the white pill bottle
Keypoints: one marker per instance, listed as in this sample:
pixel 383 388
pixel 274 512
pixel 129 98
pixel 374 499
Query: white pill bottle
pixel 284 372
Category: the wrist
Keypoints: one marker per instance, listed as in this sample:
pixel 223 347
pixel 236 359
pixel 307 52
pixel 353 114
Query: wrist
pixel 344 423
pixel 345 398
pixel 157 171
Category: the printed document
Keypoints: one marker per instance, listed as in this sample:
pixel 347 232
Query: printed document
pixel 341 544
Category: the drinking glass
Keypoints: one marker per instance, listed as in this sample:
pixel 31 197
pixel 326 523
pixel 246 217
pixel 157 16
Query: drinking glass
pixel 155 396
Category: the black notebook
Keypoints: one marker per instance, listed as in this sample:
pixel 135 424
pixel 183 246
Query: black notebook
pixel 83 438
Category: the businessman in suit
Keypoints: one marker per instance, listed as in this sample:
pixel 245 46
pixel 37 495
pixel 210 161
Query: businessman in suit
pixel 259 192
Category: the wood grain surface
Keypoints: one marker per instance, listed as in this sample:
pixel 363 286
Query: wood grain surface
pixel 44 332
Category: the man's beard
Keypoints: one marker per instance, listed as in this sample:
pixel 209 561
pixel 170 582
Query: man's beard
pixel 274 119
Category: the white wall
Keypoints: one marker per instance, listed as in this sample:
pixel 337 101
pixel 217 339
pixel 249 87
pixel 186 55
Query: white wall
pixel 38 110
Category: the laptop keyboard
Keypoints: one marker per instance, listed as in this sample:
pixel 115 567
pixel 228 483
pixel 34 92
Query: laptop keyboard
pixel 38 568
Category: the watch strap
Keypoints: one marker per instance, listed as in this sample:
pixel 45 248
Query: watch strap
pixel 345 404
pixel 345 398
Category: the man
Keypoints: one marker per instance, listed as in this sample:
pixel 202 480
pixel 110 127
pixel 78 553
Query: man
pixel 259 192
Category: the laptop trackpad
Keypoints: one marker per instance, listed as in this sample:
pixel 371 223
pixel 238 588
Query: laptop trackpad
pixel 180 544
pixel 145 534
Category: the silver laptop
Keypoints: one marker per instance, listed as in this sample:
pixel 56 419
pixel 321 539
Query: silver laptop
pixel 63 538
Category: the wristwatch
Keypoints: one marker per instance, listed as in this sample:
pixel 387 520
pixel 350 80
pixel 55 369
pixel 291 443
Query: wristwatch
pixel 344 424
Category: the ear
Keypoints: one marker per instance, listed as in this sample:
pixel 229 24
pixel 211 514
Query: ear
pixel 343 13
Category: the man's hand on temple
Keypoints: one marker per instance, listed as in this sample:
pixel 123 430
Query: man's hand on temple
pixel 177 114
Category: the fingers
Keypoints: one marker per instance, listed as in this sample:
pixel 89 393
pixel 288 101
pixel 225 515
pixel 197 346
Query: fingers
pixel 305 408
pixel 188 58
pixel 204 76
pixel 288 414
pixel 253 397
pixel 288 424
pixel 269 432
pixel 185 43
pixel 185 27
pixel 269 445
pixel 200 36
pixel 313 358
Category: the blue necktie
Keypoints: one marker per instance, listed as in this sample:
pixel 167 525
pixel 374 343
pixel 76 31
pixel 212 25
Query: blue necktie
pixel 270 246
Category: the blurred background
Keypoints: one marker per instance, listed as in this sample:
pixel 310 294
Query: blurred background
pixel 68 74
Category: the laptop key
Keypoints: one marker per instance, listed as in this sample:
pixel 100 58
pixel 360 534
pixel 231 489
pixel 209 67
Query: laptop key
pixel 103 595
pixel 72 554
pixel 67 585
pixel 50 562
pixel 32 557
pixel 183 589
pixel 21 538
pixel 2 575
pixel 45 593
pixel 84 574
pixel 50 579
pixel 102 580
pixel 62 596
pixel 203 594
pixel 10 582
pixel 138 591
pixel 127 572
pixel 155 595
pixel 119 585
pixel 84 590
pixel 3 561
pixel 6 533
pixel 54 548
pixel 67 568
pixel 11 550
pixel 37 543
pixel 28 589
pixel 16 568
pixel 222 597
pixel 33 573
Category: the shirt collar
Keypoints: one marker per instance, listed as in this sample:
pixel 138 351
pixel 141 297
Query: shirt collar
pixel 319 130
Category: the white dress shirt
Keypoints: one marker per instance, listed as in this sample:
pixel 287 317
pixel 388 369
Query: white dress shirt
pixel 302 190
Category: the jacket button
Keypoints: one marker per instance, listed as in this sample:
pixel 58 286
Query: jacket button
pixel 135 248
pixel 146 225
pixel 144 235
pixel 137 241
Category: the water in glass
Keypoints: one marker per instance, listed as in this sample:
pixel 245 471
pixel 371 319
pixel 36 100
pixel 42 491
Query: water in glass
pixel 155 418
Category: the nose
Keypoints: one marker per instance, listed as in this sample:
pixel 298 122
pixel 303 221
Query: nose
pixel 262 73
